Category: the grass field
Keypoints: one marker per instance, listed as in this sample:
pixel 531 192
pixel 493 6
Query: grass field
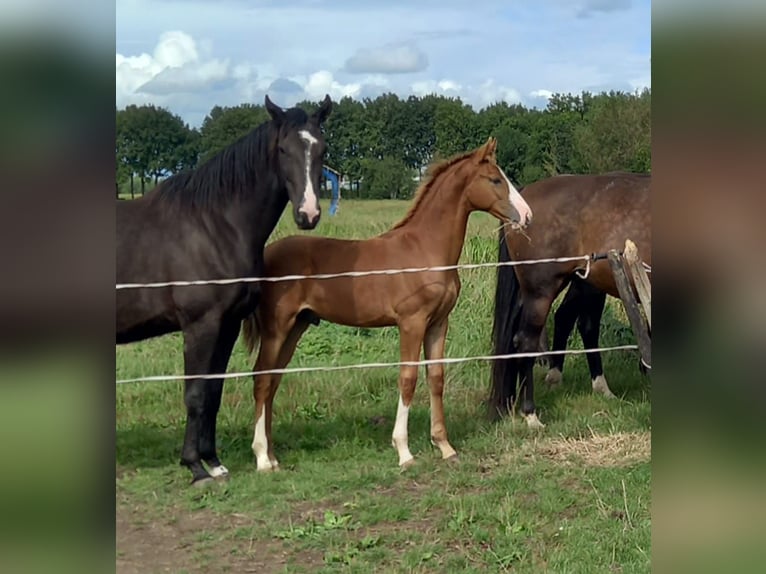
pixel 573 498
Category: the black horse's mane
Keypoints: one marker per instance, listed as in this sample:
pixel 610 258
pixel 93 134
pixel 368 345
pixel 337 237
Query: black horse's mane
pixel 231 173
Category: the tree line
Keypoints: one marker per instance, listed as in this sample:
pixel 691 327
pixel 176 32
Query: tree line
pixel 381 145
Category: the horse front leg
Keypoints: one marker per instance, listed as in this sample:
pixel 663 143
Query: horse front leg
pixel 207 347
pixel 433 348
pixel 410 340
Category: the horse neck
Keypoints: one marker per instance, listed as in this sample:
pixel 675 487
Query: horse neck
pixel 440 218
pixel 256 215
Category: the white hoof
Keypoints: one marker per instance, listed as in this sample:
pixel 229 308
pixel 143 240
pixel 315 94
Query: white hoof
pixel 533 422
pixel 553 377
pixel 600 386
pixel 219 471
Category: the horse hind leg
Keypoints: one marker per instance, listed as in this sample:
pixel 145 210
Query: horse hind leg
pixel 563 324
pixel 207 349
pixel 534 313
pixel 268 357
pixel 589 326
pixel 285 355
pixel 410 340
pixel 276 349
pixel 433 348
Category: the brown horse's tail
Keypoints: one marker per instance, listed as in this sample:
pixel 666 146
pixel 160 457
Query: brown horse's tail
pixel 251 332
pixel 504 327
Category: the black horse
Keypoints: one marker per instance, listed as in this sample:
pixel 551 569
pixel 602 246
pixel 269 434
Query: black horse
pixel 213 223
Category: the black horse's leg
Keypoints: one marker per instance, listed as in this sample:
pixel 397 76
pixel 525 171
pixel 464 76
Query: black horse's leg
pixel 533 315
pixel 229 331
pixel 589 325
pixel 200 347
pixel 563 323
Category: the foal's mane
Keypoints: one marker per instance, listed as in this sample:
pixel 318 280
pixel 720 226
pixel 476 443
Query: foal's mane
pixel 432 173
pixel 234 172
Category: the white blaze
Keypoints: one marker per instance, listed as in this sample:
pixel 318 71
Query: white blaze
pixel 310 205
pixel 525 212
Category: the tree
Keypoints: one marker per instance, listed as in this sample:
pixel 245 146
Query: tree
pixel 387 178
pixel 455 127
pixel 344 149
pixel 223 126
pixel 616 133
pixel 153 142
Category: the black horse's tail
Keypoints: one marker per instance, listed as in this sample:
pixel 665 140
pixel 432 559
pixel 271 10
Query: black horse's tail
pixel 504 327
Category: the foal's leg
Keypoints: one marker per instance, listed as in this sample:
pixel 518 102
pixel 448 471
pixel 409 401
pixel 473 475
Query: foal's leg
pixel 268 355
pixel 589 325
pixel 563 323
pixel 410 340
pixel 285 355
pixel 433 348
pixel 206 346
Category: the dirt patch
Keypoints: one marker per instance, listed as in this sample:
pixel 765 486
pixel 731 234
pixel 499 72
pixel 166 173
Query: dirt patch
pixel 197 541
pixel 603 450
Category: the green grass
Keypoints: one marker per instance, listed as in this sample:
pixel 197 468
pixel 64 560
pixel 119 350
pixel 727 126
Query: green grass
pixel 512 503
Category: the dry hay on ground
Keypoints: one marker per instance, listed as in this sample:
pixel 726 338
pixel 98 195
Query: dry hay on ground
pixel 604 450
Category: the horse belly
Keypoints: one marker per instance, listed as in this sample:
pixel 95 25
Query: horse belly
pixel 352 306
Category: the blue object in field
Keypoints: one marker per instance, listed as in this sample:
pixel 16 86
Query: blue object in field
pixel 332 175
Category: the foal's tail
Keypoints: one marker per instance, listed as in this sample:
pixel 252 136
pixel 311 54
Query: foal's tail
pixel 251 332
pixel 504 327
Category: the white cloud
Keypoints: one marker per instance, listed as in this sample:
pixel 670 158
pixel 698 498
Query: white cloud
pixel 174 67
pixel 478 96
pixel 445 87
pixel 547 94
pixel 398 58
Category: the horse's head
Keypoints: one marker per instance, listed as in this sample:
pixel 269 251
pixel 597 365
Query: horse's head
pixel 300 149
pixel 489 189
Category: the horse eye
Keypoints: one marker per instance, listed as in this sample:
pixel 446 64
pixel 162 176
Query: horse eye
pixel 282 149
pixel 496 180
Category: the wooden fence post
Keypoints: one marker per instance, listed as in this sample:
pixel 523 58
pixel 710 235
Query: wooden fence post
pixel 640 279
pixel 637 320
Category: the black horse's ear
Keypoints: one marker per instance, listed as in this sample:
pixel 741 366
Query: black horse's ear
pixel 324 109
pixel 274 110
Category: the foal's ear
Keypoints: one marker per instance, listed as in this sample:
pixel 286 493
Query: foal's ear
pixel 324 110
pixel 276 113
pixel 487 151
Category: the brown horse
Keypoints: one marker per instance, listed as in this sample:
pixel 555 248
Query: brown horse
pixel 431 234
pixel 574 215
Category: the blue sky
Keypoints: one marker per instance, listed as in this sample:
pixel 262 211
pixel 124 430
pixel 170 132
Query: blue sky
pixel 189 56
